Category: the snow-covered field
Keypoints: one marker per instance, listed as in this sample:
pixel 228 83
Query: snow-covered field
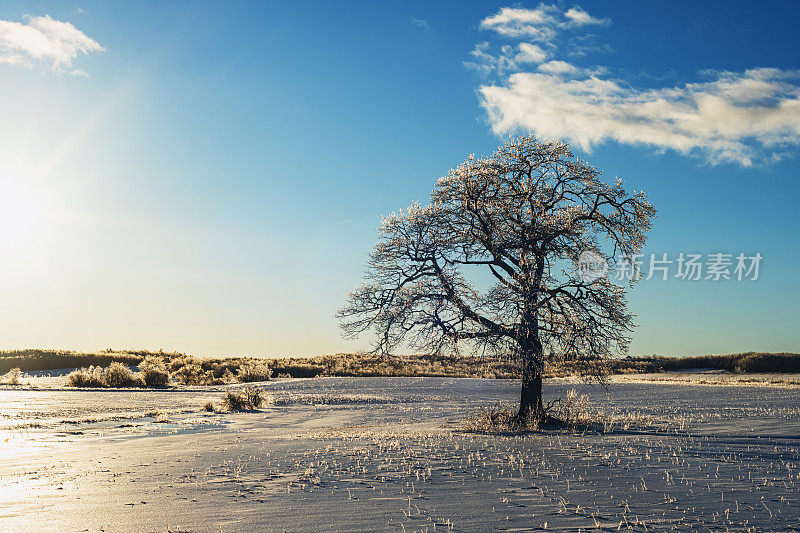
pixel 375 454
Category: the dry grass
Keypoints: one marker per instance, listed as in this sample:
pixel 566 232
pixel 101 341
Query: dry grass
pixel 500 419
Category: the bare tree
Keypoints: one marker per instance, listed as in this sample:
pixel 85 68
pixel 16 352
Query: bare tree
pixel 490 264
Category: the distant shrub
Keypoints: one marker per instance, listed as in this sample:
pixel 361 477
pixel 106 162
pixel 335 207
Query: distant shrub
pixel 245 399
pixel 120 376
pixel 209 406
pixel 117 375
pixel 251 371
pixel 13 377
pixel 188 373
pixel 87 377
pixel 154 375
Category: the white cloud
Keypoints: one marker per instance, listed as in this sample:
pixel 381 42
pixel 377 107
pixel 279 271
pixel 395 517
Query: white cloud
pixel 530 53
pixel 738 117
pixel 46 42
pixel 744 118
pixel 539 24
pixel 558 67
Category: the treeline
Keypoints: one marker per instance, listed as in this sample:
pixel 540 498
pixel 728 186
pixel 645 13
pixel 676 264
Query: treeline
pixel 193 370
pixel 743 363
pixel 32 360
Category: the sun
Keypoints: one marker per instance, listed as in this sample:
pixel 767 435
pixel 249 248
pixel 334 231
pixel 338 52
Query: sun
pixel 22 215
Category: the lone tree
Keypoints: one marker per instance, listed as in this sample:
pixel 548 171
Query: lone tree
pixel 491 264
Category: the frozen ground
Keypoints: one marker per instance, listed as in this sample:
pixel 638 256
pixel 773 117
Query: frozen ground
pixel 375 454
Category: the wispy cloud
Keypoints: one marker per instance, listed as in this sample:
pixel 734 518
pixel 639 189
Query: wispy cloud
pixel 540 24
pixel 745 118
pixel 421 24
pixel 509 59
pixel 45 42
pixel 579 17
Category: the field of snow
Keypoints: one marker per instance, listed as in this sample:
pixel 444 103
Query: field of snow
pixel 387 454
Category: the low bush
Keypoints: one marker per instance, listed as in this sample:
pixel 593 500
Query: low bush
pixel 245 399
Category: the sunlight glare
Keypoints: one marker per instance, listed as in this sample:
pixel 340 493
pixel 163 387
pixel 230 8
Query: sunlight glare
pixel 22 215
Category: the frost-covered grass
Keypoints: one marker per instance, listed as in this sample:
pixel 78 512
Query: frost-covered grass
pixel 573 411
pixel 499 419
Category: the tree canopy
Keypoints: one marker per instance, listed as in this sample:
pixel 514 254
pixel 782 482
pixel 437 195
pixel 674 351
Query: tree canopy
pixel 523 215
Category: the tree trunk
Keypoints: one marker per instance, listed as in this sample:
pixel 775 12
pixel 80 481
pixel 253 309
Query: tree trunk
pixel 530 402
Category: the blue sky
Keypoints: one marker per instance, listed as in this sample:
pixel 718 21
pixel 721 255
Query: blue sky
pixel 208 178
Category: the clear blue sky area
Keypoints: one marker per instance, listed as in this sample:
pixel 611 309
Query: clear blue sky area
pixel 208 177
